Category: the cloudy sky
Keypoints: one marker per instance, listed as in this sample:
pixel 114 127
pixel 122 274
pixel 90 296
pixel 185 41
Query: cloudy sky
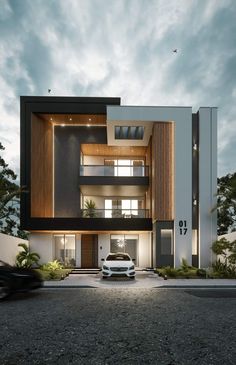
pixel 120 48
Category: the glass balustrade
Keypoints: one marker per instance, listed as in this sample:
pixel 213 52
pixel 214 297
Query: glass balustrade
pixel 114 213
pixel 115 170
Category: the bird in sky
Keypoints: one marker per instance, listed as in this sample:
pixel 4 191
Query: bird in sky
pixel 175 50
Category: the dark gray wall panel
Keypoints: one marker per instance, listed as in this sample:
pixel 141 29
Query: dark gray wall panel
pixel 67 141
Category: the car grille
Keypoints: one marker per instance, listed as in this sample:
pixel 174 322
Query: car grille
pixel 118 269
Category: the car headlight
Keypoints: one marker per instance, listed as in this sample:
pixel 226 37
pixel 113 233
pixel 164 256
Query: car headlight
pixel 131 267
pixel 105 267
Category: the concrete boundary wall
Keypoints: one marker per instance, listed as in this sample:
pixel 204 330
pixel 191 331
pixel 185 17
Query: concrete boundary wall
pixel 9 248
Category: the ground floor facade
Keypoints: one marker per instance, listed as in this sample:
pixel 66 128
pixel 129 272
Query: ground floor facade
pixel 88 250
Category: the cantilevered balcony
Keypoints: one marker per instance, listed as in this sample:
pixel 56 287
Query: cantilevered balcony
pixel 115 213
pixel 117 180
pixel 114 170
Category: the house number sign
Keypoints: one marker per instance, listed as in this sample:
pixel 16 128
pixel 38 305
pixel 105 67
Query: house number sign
pixel 183 227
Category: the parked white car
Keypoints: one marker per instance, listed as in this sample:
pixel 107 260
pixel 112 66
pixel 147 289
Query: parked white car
pixel 118 264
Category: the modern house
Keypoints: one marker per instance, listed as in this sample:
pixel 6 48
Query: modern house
pixel 102 177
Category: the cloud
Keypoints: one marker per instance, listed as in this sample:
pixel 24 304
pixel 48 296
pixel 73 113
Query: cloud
pixel 120 48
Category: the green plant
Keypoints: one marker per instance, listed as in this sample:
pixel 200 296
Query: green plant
pixel 201 273
pixel 52 266
pixel 26 258
pixel 226 265
pixel 90 209
pixel 170 271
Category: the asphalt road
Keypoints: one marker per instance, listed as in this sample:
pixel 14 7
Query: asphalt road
pixel 119 326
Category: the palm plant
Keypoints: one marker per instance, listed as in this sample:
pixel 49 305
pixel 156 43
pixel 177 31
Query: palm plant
pixel 90 207
pixel 26 258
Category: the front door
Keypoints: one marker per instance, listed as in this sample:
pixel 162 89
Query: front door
pixel 89 251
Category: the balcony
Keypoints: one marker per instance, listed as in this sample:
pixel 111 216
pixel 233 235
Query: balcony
pixel 115 180
pixel 114 170
pixel 115 213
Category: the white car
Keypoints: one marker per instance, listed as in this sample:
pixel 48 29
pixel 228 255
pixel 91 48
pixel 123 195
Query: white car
pixel 118 264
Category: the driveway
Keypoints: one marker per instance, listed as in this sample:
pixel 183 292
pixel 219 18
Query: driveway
pixel 144 279
pixel 119 327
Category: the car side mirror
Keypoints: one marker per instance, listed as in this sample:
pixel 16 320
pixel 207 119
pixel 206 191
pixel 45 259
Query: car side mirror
pixel 102 260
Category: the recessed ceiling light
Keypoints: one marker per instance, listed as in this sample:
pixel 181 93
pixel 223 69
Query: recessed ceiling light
pixel 70 118
pixel 50 118
pixel 90 119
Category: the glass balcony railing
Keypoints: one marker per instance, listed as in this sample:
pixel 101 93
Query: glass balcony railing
pixel 115 170
pixel 114 213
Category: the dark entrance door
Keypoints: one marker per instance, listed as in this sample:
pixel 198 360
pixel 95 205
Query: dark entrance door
pixel 89 251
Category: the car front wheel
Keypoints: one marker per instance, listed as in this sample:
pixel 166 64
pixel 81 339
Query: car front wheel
pixel 4 289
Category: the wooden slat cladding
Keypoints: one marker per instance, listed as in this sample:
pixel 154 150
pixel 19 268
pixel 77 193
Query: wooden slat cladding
pixel 149 164
pixel 41 168
pixel 163 171
pixel 118 151
pixel 74 119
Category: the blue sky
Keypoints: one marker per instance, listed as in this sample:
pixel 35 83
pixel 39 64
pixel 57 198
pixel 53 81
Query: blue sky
pixel 120 48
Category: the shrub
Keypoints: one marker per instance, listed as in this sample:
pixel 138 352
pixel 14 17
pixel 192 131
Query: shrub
pixel 52 266
pixel 170 271
pixel 201 273
pixel 25 258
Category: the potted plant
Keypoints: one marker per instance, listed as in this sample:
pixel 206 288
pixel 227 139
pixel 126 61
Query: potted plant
pixel 90 209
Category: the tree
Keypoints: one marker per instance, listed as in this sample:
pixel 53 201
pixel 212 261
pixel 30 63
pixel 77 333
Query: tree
pixel 226 204
pixel 9 201
pixel 26 258
pixel 226 265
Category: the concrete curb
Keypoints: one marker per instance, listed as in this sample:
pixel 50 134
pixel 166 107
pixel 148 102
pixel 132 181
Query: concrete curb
pixel 138 287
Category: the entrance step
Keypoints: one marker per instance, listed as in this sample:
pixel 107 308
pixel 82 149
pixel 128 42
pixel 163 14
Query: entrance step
pixel 84 271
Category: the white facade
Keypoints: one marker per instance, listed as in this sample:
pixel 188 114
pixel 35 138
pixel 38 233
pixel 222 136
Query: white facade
pixel 44 245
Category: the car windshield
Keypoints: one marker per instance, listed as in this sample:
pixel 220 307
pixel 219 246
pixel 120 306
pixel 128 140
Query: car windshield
pixel 118 257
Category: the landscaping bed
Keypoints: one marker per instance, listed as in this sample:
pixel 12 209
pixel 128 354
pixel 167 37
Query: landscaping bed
pixel 58 274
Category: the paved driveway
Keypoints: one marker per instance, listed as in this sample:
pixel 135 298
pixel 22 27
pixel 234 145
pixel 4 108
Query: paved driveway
pixel 143 279
pixel 119 327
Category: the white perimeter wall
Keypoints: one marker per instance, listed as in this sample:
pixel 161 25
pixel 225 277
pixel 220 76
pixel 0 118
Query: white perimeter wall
pixel 42 243
pixel 9 248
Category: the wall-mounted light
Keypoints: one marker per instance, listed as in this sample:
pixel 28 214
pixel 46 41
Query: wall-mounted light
pixel 63 125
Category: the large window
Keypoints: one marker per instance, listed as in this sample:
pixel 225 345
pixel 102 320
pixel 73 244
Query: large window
pixel 124 167
pixel 65 249
pixel 125 208
pixel 125 243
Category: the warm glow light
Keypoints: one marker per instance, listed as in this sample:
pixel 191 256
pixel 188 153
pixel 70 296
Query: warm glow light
pixel 63 125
